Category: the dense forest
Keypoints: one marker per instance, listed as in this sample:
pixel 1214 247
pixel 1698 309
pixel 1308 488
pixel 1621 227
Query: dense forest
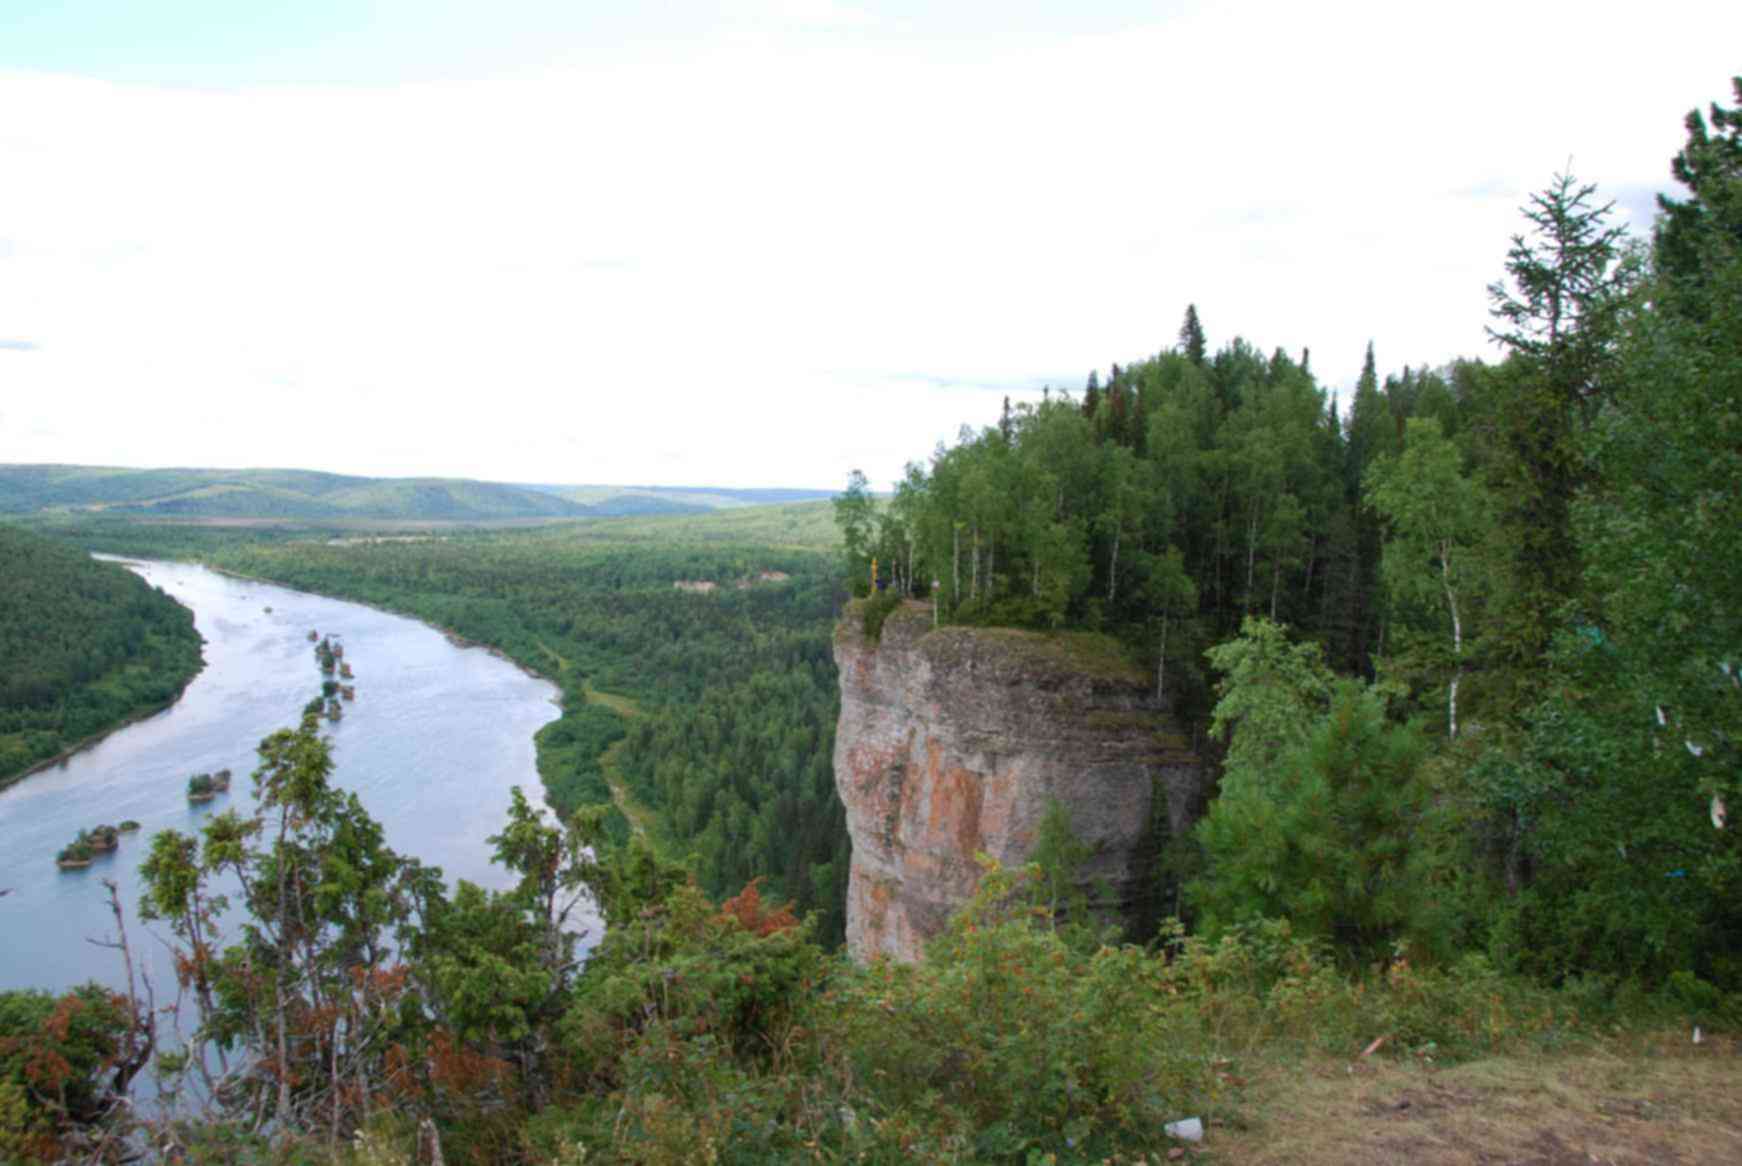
pixel 1470 638
pixel 84 646
pixel 1469 644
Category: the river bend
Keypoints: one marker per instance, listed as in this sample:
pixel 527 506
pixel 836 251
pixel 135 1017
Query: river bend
pixel 432 745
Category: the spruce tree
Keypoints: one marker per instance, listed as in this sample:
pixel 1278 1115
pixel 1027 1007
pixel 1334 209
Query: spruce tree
pixel 1560 313
pixel 1092 395
pixel 1191 336
pixel 1565 290
pixel 1371 436
pixel 1710 166
pixel 1116 413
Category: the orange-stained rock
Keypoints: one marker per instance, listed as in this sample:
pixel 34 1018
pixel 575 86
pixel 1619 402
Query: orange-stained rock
pixel 954 741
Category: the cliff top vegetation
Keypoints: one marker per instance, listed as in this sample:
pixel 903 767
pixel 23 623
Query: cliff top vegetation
pixel 1068 653
pixel 1469 636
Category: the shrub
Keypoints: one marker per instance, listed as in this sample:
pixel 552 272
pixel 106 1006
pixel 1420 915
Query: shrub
pixel 876 609
pixel 58 1056
pixel 1010 1042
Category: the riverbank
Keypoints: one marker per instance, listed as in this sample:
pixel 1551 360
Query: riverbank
pixel 432 752
pixel 447 633
pixel 88 648
pixel 738 688
pixel 640 817
pixel 95 739
pixel 561 676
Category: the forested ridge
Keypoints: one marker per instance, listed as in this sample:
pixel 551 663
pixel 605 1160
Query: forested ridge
pixel 84 646
pixel 1470 646
pixel 1188 491
pixel 1465 636
pixel 308 495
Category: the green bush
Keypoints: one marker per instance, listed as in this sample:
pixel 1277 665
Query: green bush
pixel 875 610
pixel 1009 1041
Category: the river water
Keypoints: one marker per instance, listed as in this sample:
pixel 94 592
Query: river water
pixel 432 745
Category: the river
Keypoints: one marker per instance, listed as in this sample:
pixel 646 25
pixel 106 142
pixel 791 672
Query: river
pixel 437 736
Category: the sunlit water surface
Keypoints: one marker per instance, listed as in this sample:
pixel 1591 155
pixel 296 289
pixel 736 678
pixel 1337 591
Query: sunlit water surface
pixel 432 745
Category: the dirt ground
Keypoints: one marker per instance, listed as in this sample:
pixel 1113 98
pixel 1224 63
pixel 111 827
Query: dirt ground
pixel 1658 1100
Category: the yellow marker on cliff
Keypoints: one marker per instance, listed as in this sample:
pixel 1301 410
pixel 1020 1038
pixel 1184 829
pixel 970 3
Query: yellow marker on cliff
pixel 873 573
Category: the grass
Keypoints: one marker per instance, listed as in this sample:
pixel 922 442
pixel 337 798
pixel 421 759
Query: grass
pixel 1090 654
pixel 1650 1099
pixel 623 706
pixel 642 819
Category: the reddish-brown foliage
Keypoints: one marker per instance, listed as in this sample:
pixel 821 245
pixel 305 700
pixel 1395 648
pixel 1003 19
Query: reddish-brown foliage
pixel 463 1071
pixel 747 908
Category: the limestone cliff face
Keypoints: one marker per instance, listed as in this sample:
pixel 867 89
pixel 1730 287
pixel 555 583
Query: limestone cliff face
pixel 954 741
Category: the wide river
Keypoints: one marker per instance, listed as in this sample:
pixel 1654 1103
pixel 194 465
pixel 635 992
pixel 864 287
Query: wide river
pixel 437 736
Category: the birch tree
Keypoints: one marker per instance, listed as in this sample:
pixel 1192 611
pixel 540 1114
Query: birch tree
pixel 1439 520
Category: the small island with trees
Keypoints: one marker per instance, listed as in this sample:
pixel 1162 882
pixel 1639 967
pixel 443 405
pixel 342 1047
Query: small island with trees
pixel 330 654
pixel 81 851
pixel 203 787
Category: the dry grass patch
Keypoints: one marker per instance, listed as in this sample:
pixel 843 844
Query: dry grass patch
pixel 1647 1101
pixel 641 819
pixel 623 706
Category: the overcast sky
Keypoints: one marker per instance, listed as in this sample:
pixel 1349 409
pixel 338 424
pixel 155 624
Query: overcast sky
pixel 757 243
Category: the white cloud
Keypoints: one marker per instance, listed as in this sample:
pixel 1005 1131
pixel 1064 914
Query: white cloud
pixel 755 260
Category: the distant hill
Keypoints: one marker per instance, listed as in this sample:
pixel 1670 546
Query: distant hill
pixel 309 495
pixel 680 499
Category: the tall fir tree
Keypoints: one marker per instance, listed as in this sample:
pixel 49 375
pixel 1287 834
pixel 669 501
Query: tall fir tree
pixel 1559 314
pixel 1371 435
pixel 1191 336
pixel 1710 217
pixel 1092 395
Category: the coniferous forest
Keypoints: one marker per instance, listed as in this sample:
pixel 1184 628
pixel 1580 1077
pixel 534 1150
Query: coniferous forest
pixel 1469 639
pixel 1466 647
pixel 84 646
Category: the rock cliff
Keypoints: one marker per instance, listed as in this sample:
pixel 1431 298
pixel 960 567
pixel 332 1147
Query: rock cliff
pixel 955 740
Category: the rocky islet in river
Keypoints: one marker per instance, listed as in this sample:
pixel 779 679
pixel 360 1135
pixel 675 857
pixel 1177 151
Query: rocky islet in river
pixel 203 787
pixel 83 850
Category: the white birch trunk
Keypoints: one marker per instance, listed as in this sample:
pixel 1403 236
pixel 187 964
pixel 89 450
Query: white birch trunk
pixel 1113 569
pixel 955 563
pixel 1161 664
pixel 1457 640
pixel 976 564
pixel 1251 552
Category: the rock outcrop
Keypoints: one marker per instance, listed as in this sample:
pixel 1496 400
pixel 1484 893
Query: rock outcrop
pixel 954 741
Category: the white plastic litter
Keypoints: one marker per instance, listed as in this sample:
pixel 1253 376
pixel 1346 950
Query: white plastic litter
pixel 1188 1129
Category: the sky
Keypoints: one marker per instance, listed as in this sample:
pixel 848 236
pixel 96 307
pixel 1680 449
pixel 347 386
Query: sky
pixel 758 243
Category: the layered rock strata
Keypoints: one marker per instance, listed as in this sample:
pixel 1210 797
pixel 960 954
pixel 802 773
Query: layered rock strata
pixel 954 741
